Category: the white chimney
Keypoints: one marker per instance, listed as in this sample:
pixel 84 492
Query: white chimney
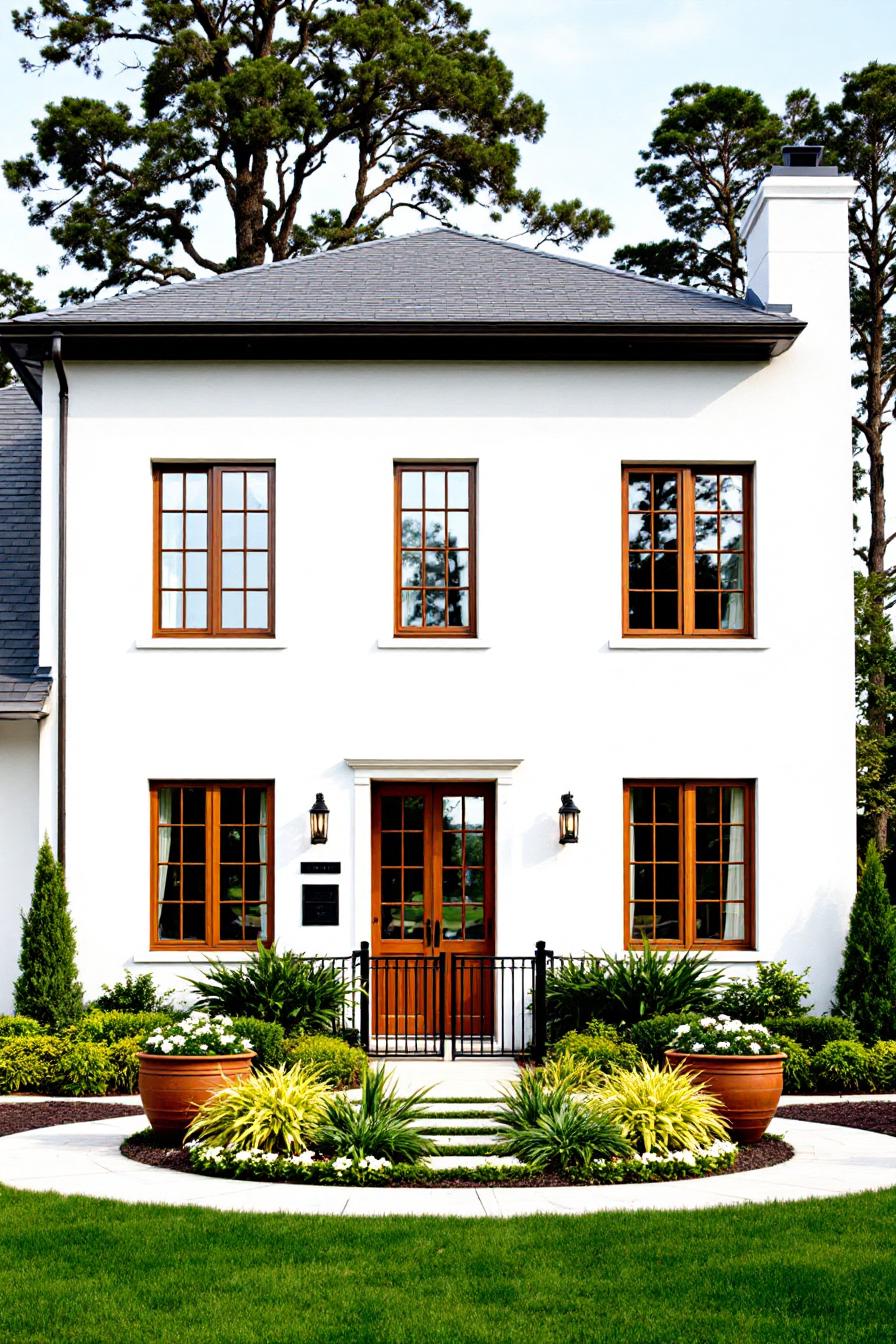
pixel 796 231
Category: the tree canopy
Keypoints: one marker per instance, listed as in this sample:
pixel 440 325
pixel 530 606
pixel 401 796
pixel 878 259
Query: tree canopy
pixel 248 100
pixel 16 296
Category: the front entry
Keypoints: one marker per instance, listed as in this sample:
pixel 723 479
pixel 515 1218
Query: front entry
pixel 433 893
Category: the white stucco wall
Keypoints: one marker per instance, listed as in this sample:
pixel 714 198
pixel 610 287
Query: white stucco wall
pixel 19 838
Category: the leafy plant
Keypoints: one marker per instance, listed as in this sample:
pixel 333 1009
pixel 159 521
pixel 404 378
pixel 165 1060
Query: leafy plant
pixel 797 1066
pixel 723 1035
pixel 28 1063
pixel 380 1125
pixel 573 995
pixel 568 1135
pixel 581 1060
pixel 276 1111
pixel 11 1026
pixel 661 1110
pixel 84 1069
pixel 339 1064
pixel 124 1058
pixel 47 987
pixel 197 1034
pixel 882 1056
pixel 866 984
pixel 653 1034
pixel 303 996
pixel 526 1100
pixel 843 1066
pixel 267 1040
pixel 776 991
pixel 813 1032
pixel 134 994
pixel 107 1027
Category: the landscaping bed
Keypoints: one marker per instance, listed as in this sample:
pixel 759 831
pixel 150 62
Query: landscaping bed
pixel 16 1117
pixel 878 1116
pixel 157 1150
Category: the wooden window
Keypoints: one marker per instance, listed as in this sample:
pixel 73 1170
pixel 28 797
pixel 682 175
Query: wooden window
pixel 687 567
pixel 689 863
pixel 212 865
pixel 214 571
pixel 435 549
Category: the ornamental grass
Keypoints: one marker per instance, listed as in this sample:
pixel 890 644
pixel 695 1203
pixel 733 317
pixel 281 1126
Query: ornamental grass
pixel 660 1110
pixel 276 1110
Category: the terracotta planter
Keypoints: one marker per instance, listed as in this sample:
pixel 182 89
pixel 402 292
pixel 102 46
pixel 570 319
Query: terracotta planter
pixel 173 1087
pixel 748 1086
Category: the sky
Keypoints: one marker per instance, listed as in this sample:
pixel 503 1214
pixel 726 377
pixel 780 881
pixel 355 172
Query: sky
pixel 603 68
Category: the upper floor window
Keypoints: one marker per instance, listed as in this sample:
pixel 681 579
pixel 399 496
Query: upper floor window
pixel 688 561
pixel 214 550
pixel 689 863
pixel 212 864
pixel 435 549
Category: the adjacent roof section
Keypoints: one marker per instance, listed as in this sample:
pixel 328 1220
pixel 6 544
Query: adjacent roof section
pixel 23 686
pixel 440 292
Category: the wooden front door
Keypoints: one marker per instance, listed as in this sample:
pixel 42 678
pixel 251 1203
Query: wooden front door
pixel 433 892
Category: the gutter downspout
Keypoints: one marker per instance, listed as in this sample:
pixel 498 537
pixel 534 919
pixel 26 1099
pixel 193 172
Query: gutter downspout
pixel 56 356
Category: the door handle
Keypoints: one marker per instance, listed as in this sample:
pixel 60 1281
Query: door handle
pixel 427 936
pixel 437 940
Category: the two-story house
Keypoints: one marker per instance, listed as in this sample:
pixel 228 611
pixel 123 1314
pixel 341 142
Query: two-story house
pixel 441 529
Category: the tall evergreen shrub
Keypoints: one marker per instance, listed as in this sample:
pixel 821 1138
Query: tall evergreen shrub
pixel 866 985
pixel 47 988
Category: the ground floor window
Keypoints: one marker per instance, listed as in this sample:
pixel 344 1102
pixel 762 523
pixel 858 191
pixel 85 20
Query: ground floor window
pixel 212 864
pixel 689 863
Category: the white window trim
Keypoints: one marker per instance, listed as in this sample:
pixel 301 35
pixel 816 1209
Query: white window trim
pixel 422 642
pixel 729 645
pixel 204 642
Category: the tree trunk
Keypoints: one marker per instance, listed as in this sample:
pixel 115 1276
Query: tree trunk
pixel 248 209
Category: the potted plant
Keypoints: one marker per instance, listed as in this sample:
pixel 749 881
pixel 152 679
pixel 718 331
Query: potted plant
pixel 740 1063
pixel 183 1064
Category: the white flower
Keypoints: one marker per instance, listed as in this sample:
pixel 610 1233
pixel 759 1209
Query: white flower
pixel 167 1047
pixel 245 1155
pixel 682 1030
pixel 302 1159
pixel 226 1021
pixel 342 1164
pixel 225 1039
pixel 723 1017
pixel 270 1157
pixel 707 1022
pixel 203 1047
pixel 178 1040
pixel 698 1045
pixel 756 1047
pixel 723 1045
pixel 247 1045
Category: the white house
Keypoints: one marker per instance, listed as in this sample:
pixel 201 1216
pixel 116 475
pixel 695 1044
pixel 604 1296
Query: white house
pixel 442 529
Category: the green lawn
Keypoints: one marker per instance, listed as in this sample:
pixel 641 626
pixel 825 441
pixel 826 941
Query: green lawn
pixel 79 1270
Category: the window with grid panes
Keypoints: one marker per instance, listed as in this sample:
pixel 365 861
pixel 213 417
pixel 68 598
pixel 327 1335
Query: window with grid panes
pixel 688 568
pixel 689 863
pixel 435 560
pixel 214 549
pixel 212 864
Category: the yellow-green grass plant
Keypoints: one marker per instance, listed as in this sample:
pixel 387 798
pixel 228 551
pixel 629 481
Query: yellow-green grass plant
pixel 660 1110
pixel 277 1110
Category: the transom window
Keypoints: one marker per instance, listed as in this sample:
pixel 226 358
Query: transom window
pixel 212 870
pixel 688 558
pixel 689 863
pixel 435 520
pixel 214 570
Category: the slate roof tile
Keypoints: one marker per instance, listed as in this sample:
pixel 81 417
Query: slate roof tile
pixel 20 439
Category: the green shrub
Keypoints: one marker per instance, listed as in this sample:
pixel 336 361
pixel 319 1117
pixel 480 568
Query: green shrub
pixel 381 1124
pixel 303 995
pixel 124 1057
pixel 133 994
pixel 866 984
pixel 573 995
pixel 775 992
pixel 47 987
pixel 108 1027
pixel 798 1075
pixel 598 1054
pixel 19 1026
pixel 883 1065
pixel 339 1064
pixel 842 1066
pixel 661 1110
pixel 567 1135
pixel 597 1028
pixel 266 1038
pixel 28 1063
pixel 813 1032
pixel 277 1110
pixel 653 1036
pixel 84 1069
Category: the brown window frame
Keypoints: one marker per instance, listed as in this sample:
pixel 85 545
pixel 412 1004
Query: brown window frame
pixel 448 631
pixel 212 865
pixel 686 549
pixel 687 864
pixel 214 627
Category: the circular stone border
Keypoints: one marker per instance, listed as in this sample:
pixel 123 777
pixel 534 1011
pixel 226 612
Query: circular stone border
pixel 84 1159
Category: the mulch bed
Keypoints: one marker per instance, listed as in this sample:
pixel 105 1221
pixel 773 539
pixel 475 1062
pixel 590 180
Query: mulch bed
pixel 155 1151
pixel 879 1116
pixel 16 1117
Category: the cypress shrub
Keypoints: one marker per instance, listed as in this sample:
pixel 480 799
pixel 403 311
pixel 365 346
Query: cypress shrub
pixel 866 985
pixel 47 988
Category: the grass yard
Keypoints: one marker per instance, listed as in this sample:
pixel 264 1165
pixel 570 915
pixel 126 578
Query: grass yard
pixel 75 1270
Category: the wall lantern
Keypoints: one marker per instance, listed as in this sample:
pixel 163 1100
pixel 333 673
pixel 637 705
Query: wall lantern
pixel 569 820
pixel 319 814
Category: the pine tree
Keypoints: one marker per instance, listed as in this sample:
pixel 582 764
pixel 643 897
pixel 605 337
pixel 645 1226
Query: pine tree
pixel 866 985
pixel 47 987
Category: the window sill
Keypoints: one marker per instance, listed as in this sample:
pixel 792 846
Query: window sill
pixel 205 643
pixel 730 645
pixel 180 956
pixel 421 642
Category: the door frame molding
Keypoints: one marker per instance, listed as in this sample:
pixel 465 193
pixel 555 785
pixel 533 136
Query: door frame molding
pixel 473 770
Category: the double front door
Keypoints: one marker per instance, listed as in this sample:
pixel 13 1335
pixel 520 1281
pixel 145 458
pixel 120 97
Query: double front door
pixel 433 892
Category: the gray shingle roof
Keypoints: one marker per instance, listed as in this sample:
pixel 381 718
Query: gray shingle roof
pixel 22 689
pixel 438 275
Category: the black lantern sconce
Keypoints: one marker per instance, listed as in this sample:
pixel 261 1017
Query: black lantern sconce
pixel 319 815
pixel 569 820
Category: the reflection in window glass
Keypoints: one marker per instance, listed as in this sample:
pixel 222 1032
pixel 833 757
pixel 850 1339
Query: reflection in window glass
pixel 435 548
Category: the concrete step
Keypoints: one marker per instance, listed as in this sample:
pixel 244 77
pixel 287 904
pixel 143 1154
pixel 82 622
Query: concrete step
pixel 459 1140
pixel 460 1125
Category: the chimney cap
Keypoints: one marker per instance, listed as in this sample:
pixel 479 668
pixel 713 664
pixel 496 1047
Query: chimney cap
pixel 803 161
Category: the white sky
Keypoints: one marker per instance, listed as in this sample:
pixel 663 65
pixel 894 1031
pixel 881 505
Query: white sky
pixel 604 69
